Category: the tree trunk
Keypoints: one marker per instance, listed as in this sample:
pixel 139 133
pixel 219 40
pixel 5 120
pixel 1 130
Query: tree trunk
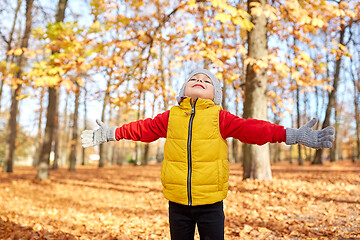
pixel 334 156
pixel 43 171
pixel 356 152
pixel 235 150
pixel 56 134
pixel 12 124
pixel 235 142
pixel 118 152
pixel 145 158
pixel 332 97
pixel 276 147
pixel 300 159
pixel 137 153
pixel 85 125
pixel 256 158
pixel 65 133
pixel 9 159
pixel 39 135
pixel 163 83
pixel 106 97
pixel 72 158
pixel 109 147
pixel 9 45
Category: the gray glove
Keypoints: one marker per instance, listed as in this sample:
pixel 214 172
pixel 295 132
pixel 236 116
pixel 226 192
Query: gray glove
pixel 311 138
pixel 91 138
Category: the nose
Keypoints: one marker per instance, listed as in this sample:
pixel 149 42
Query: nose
pixel 199 80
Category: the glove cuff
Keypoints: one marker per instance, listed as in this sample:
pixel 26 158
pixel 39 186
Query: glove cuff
pixel 111 133
pixel 291 136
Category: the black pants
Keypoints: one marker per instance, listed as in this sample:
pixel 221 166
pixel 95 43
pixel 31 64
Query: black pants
pixel 209 219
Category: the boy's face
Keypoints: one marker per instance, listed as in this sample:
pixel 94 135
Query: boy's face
pixel 200 86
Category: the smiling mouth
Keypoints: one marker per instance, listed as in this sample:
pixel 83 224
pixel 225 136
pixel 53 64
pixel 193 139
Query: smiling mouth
pixel 198 85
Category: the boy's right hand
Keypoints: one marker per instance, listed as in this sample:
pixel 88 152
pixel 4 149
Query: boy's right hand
pixel 311 138
pixel 103 134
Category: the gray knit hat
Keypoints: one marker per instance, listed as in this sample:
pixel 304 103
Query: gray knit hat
pixel 215 81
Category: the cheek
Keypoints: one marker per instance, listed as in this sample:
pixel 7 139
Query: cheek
pixel 212 92
pixel 187 87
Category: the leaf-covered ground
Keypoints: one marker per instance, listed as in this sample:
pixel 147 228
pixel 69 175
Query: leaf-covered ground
pixel 308 202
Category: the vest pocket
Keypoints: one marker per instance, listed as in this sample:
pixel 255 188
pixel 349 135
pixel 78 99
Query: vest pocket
pixel 220 175
pixel 226 170
pixel 223 173
pixel 163 172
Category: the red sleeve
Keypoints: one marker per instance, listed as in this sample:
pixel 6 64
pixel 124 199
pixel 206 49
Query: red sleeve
pixel 147 130
pixel 251 131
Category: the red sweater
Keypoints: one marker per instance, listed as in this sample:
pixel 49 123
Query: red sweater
pixel 246 130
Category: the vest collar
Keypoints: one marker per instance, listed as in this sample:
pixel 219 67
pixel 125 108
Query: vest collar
pixel 186 103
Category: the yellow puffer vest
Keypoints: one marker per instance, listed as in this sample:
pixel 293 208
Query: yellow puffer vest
pixel 195 170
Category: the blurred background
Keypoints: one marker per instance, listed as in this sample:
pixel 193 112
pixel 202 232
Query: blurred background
pixel 64 64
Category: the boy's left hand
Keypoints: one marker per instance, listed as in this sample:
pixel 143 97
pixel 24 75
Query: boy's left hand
pixel 311 138
pixel 103 134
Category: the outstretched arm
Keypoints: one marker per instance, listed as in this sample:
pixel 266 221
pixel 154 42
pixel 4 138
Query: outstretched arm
pixel 311 138
pixel 147 130
pixel 259 132
pixel 250 131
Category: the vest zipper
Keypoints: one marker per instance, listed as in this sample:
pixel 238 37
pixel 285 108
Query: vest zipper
pixel 189 152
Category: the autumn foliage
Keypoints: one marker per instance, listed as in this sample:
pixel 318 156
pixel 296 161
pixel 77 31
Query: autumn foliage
pixel 306 202
pixel 129 57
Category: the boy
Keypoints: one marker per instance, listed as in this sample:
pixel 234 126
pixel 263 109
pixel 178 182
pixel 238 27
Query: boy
pixel 195 169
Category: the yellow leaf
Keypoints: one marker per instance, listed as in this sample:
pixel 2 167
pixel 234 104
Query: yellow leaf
pixel 243 22
pixel 256 68
pixel 219 75
pixel 143 37
pixel 350 13
pixel 303 19
pixel 223 17
pixel 20 97
pixel 137 4
pixel 328 88
pixel 203 53
pixel 271 94
pixel 342 47
pixel 68 84
pixel 317 22
pixel 306 57
pixel 215 3
pixel 343 4
pixel 218 42
pixel 96 26
pixel 127 44
pixel 237 21
pixel 18 51
pixel 192 4
pixel 11 51
pixel 273 108
pixel 57 60
pixel 295 75
pixel 262 63
pixel 250 61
